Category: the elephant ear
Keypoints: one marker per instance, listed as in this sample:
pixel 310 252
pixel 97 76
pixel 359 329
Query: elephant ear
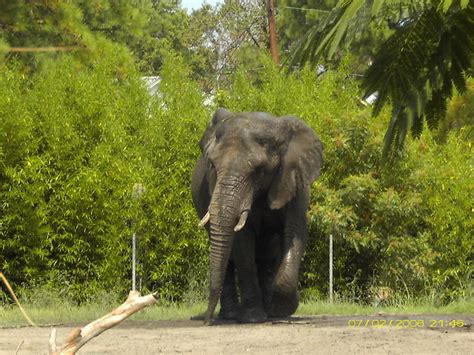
pixel 300 164
pixel 209 135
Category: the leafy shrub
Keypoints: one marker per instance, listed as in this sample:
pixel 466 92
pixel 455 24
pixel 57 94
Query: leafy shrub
pixel 74 142
pixel 67 165
pixel 76 139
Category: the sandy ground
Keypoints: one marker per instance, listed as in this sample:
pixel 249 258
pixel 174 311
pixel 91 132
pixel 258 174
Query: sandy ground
pixel 408 334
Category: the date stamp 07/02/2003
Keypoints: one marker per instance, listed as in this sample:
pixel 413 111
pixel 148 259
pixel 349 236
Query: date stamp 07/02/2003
pixel 406 323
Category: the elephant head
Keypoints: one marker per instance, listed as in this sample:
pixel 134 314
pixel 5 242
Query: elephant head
pixel 248 156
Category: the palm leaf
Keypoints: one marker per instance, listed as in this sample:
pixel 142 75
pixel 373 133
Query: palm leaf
pixel 415 69
pixel 306 50
pixel 341 27
pixel 400 62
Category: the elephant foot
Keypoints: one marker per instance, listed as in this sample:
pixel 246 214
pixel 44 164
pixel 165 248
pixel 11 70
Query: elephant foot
pixel 252 315
pixel 229 313
pixel 283 305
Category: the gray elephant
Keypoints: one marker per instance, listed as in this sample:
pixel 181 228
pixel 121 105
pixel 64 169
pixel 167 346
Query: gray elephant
pixel 251 188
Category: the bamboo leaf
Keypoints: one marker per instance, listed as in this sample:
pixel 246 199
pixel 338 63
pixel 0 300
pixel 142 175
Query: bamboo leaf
pixel 446 5
pixel 343 3
pixel 376 6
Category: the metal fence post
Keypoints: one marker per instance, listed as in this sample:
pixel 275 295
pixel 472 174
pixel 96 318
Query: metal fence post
pixel 330 269
pixel 137 192
pixel 134 261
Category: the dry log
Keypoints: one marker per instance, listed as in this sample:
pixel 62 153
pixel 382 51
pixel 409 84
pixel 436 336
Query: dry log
pixel 80 336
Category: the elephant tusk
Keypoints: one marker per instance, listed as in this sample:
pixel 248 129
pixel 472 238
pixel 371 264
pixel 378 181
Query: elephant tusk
pixel 242 220
pixel 204 220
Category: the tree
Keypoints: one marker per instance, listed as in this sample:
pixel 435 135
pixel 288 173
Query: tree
pixel 429 50
pixel 88 28
pixel 230 35
pixel 168 29
pixel 58 24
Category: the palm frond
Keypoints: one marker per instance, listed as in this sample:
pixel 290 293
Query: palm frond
pixel 306 50
pixel 334 37
pixel 396 132
pixel 401 61
pixel 417 127
pixel 347 20
pixel 415 69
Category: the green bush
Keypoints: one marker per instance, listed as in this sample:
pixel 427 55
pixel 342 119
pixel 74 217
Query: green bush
pixel 174 250
pixel 74 142
pixel 76 139
pixel 68 162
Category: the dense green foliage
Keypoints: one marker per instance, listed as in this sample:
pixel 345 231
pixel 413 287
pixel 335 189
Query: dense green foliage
pixel 79 133
pixel 75 140
pixel 214 40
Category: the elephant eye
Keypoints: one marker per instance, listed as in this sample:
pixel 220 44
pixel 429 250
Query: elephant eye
pixel 255 167
pixel 211 164
pixel 261 141
pixel 219 133
pixel 260 169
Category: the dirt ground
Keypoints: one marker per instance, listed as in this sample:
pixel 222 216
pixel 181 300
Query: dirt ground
pixel 383 334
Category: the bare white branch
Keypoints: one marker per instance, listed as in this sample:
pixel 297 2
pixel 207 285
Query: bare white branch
pixel 80 336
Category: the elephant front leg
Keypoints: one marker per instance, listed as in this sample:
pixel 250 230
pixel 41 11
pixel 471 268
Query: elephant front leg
pixel 285 298
pixel 251 308
pixel 229 300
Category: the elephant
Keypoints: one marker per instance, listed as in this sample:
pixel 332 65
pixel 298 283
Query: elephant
pixel 250 187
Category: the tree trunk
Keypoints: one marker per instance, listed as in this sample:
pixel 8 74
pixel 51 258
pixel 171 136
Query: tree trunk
pixel 272 31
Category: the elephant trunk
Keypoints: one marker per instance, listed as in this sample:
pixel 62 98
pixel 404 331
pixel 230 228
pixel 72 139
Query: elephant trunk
pixel 224 212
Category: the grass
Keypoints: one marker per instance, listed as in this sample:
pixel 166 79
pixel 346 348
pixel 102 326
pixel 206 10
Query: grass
pixel 318 308
pixel 64 314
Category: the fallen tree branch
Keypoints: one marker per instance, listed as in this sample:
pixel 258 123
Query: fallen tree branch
pixel 80 336
pixel 9 288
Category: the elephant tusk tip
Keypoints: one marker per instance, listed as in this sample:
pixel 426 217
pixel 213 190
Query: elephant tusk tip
pixel 242 220
pixel 204 220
